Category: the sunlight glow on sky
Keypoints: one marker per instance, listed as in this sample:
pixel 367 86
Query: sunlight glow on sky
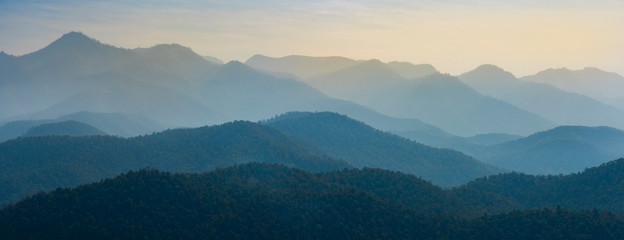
pixel 523 37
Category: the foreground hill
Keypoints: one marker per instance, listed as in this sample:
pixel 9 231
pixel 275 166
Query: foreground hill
pixel 364 146
pixel 29 165
pixel 599 187
pixel 266 202
pixel 65 128
pixel 561 150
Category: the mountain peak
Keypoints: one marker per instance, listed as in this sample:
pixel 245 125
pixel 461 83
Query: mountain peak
pixel 487 73
pixel 71 41
pixel 74 38
pixel 4 55
pixel 236 68
pixel 373 67
pixel 490 68
pixel 172 51
pixel 411 71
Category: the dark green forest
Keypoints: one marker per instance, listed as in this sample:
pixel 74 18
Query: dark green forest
pixel 29 165
pixel 262 201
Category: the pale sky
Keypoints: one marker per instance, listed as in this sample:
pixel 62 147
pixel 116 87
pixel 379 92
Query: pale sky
pixel 456 36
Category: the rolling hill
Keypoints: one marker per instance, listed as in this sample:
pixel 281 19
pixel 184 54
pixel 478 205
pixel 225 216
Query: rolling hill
pixel 29 165
pixel 562 150
pixel 267 201
pixel 65 128
pixel 364 146
pixel 598 188
pixel 118 124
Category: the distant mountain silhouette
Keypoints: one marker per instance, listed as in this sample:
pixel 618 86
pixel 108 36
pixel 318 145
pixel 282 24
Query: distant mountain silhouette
pixel 75 54
pixel 361 83
pixel 492 138
pixel 363 146
pixel 212 59
pixel 170 65
pixel 561 107
pixel 65 128
pixel 301 66
pixel 450 104
pixel 112 92
pixel 119 124
pixel 168 83
pixel 561 150
pixel 15 129
pixel 37 164
pixel 411 71
pixel 598 84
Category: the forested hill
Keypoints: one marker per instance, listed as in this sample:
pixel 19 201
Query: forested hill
pixel 599 187
pixel 260 201
pixel 65 128
pixel 28 165
pixel 364 146
pixel 561 150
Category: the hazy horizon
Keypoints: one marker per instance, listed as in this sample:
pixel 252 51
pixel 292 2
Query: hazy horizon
pixel 455 36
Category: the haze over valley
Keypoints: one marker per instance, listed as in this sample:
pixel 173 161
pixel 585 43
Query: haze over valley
pixel 252 134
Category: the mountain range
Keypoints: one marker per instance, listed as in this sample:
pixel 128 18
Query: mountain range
pixel 168 84
pixel 32 164
pixel 554 104
pixel 414 91
pixel 171 84
pixel 593 82
pixel 562 150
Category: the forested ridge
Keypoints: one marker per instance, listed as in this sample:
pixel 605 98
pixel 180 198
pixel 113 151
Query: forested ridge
pixel 263 201
pixel 364 146
pixel 28 165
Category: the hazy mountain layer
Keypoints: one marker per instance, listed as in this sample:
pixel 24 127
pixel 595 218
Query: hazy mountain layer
pixel 364 146
pixel 301 66
pixel 561 107
pixel 604 86
pixel 65 128
pixel 446 102
pixel 124 125
pixel 410 71
pixel 362 83
pixel 564 150
pixel 167 83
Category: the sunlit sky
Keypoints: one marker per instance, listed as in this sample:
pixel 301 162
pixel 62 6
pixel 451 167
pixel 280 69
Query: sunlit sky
pixel 523 37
